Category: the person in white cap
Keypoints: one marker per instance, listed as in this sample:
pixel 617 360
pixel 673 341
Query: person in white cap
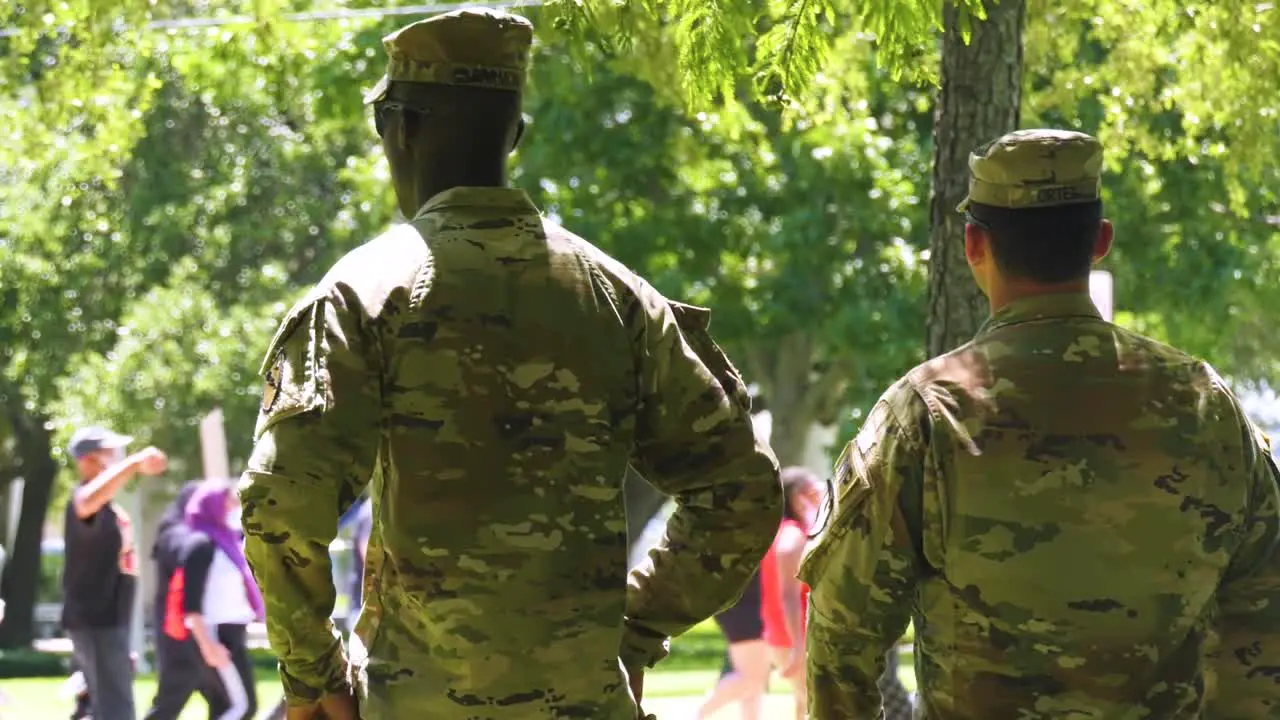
pixel 101 566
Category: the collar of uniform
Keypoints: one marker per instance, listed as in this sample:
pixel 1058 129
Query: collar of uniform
pixel 1041 307
pixel 488 197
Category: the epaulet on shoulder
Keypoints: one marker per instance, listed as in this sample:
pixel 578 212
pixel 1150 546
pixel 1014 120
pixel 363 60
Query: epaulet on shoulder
pixel 901 395
pixel 1211 373
pixel 963 367
pixel 603 260
pixel 843 466
pixel 393 259
pixel 369 273
pixel 690 316
pixel 397 254
pixel 1263 440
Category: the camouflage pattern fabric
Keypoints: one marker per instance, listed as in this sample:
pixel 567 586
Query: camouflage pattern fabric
pixel 493 375
pixel 1042 167
pixel 1080 521
pixel 473 47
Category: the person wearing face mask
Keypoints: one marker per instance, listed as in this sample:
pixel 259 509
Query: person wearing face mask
pixel 220 597
pixel 101 567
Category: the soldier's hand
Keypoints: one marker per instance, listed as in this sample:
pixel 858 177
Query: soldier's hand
pixel 636 676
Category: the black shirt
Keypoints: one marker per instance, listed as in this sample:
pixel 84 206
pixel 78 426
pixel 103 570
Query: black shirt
pixel 100 569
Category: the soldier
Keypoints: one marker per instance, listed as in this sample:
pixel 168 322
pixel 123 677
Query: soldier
pixel 492 375
pixel 1067 510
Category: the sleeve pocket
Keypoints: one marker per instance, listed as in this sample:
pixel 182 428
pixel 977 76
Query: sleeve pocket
pixel 294 372
pixel 694 322
pixel 847 497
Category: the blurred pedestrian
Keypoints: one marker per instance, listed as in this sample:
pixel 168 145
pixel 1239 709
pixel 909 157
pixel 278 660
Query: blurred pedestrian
pixel 221 598
pixel 358 521
pixel 783 596
pixel 101 567
pixel 745 678
pixel 180 556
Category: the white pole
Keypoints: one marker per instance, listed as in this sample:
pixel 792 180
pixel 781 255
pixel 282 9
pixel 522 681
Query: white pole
pixel 16 487
pixel 213 446
pixel 132 501
pixel 1102 290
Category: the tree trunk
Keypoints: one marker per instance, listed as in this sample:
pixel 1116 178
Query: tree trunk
pixel 979 100
pixel 791 424
pixel 21 572
pixel 796 389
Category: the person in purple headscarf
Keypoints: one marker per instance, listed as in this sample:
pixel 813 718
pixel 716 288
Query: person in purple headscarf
pixel 220 596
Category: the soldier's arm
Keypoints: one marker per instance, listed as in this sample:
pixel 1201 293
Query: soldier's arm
pixel 1248 664
pixel 317 443
pixel 862 566
pixel 695 442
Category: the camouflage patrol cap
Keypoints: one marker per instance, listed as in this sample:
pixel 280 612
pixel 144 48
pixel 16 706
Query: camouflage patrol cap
pixel 1035 168
pixel 475 47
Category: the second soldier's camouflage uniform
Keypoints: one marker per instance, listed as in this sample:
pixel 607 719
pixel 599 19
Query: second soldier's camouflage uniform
pixel 493 375
pixel 1080 521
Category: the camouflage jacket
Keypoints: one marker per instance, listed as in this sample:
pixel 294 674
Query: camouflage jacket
pixel 493 375
pixel 1080 521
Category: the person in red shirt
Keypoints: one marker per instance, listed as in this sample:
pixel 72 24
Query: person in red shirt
pixel 783 597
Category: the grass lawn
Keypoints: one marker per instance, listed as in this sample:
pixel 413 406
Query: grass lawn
pixel 672 691
pixel 687 675
pixel 40 699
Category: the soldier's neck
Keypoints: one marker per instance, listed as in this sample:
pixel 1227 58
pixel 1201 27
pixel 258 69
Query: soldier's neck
pixel 1005 292
pixel 434 183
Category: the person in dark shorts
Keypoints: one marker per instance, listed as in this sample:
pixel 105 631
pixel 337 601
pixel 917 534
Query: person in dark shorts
pixel 181 671
pixel 748 662
pixel 101 567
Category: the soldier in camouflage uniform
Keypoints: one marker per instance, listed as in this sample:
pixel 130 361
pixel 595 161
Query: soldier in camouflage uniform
pixel 1080 521
pixel 492 375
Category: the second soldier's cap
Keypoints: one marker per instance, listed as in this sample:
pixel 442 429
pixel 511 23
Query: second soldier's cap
pixel 1035 168
pixel 475 47
pixel 89 439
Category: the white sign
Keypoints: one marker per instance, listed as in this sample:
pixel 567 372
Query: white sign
pixel 132 500
pixel 213 446
pixel 1101 289
pixel 16 486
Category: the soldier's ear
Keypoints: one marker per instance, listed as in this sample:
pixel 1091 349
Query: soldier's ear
pixel 1102 243
pixel 976 244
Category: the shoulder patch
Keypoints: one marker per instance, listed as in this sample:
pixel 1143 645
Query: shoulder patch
pixel 691 316
pixel 295 370
pixel 693 322
pixel 869 435
pixel 840 474
pixel 272 381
